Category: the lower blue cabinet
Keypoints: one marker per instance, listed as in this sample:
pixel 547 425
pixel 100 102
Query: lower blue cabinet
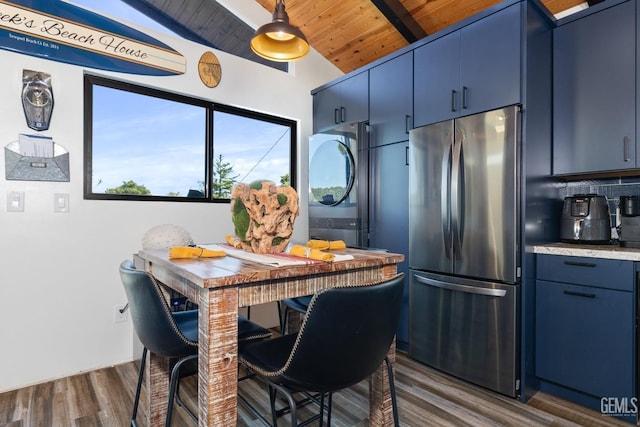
pixel 585 338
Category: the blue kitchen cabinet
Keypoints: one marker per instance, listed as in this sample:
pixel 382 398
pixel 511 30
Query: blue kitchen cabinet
pixel 343 102
pixel 585 330
pixel 470 70
pixel 389 214
pixel 594 101
pixel 391 100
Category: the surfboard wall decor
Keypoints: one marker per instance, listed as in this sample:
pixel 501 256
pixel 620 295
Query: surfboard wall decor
pixel 63 32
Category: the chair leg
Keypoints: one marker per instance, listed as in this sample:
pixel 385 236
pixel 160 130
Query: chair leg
pixel 173 385
pixel 272 401
pixel 392 390
pixel 283 319
pixel 322 411
pixel 136 399
pixel 179 401
pixel 329 401
pixel 279 303
pixel 273 389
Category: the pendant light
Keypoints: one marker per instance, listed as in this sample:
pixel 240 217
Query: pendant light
pixel 278 40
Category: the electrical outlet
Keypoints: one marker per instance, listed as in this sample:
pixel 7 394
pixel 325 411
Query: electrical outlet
pixel 119 315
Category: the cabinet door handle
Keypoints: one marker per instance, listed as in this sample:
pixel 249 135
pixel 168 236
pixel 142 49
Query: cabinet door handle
pixel 625 144
pixel 465 95
pixel 407 119
pixel 453 100
pixel 579 294
pixel 336 119
pixel 343 114
pixel 580 264
pixel 406 156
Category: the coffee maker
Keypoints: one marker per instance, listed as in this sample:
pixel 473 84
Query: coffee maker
pixel 630 221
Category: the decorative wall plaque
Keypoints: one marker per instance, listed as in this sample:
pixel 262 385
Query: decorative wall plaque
pixel 37 99
pixel 209 69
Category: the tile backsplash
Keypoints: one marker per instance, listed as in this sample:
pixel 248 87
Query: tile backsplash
pixel 611 188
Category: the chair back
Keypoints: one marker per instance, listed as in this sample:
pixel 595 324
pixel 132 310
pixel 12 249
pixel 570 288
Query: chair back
pixel 151 316
pixel 345 336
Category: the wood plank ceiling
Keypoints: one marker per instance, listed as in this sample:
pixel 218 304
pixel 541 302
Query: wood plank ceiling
pixel 349 33
pixel 353 33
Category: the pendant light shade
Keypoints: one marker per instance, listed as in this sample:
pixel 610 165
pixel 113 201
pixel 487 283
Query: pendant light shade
pixel 278 40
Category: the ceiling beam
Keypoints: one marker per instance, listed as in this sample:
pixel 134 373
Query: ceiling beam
pixel 401 19
pixel 223 30
pixel 151 11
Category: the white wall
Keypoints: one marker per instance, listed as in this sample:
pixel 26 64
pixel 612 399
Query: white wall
pixel 59 271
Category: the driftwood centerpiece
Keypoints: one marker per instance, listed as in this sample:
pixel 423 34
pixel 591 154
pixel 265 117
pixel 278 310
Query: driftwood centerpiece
pixel 263 215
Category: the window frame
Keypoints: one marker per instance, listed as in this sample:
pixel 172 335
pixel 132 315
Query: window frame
pixel 211 107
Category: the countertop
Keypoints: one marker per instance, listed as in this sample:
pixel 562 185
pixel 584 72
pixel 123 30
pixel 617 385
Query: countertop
pixel 590 251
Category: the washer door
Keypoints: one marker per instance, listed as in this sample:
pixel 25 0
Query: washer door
pixel 332 173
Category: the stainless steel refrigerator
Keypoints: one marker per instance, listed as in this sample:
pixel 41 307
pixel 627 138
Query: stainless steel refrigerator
pixel 464 248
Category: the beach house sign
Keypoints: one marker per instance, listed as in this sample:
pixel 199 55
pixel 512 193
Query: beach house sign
pixel 63 32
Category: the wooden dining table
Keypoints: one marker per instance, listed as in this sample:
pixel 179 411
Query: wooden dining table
pixel 219 286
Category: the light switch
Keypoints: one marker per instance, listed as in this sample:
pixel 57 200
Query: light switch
pixel 15 201
pixel 61 202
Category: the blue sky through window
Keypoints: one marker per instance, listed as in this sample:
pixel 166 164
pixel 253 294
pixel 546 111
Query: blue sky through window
pixel 154 142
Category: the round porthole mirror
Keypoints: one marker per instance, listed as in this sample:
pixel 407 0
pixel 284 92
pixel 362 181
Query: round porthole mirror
pixel 331 173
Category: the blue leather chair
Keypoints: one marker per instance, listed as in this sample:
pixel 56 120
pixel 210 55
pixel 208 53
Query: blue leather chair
pixel 301 304
pixel 345 336
pixel 167 333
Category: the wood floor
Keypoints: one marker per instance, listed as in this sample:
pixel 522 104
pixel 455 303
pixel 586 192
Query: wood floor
pixel 426 398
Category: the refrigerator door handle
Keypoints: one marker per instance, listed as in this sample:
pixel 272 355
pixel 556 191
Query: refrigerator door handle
pixel 460 288
pixel 456 192
pixel 445 189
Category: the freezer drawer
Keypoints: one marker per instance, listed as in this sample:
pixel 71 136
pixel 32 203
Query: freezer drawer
pixel 466 328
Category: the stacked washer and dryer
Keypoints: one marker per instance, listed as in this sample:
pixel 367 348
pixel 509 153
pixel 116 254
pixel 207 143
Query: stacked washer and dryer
pixel 338 163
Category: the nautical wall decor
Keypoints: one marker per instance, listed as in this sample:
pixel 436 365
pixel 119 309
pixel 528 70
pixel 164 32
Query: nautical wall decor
pixel 37 99
pixel 209 69
pixel 62 32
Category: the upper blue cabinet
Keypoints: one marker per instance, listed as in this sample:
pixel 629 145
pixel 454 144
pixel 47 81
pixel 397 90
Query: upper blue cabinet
pixel 476 68
pixel 594 102
pixel 391 100
pixel 346 101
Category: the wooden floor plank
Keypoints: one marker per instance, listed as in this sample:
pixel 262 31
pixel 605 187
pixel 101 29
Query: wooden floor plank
pixel 426 397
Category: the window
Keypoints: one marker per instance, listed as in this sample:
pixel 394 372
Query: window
pixel 145 144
